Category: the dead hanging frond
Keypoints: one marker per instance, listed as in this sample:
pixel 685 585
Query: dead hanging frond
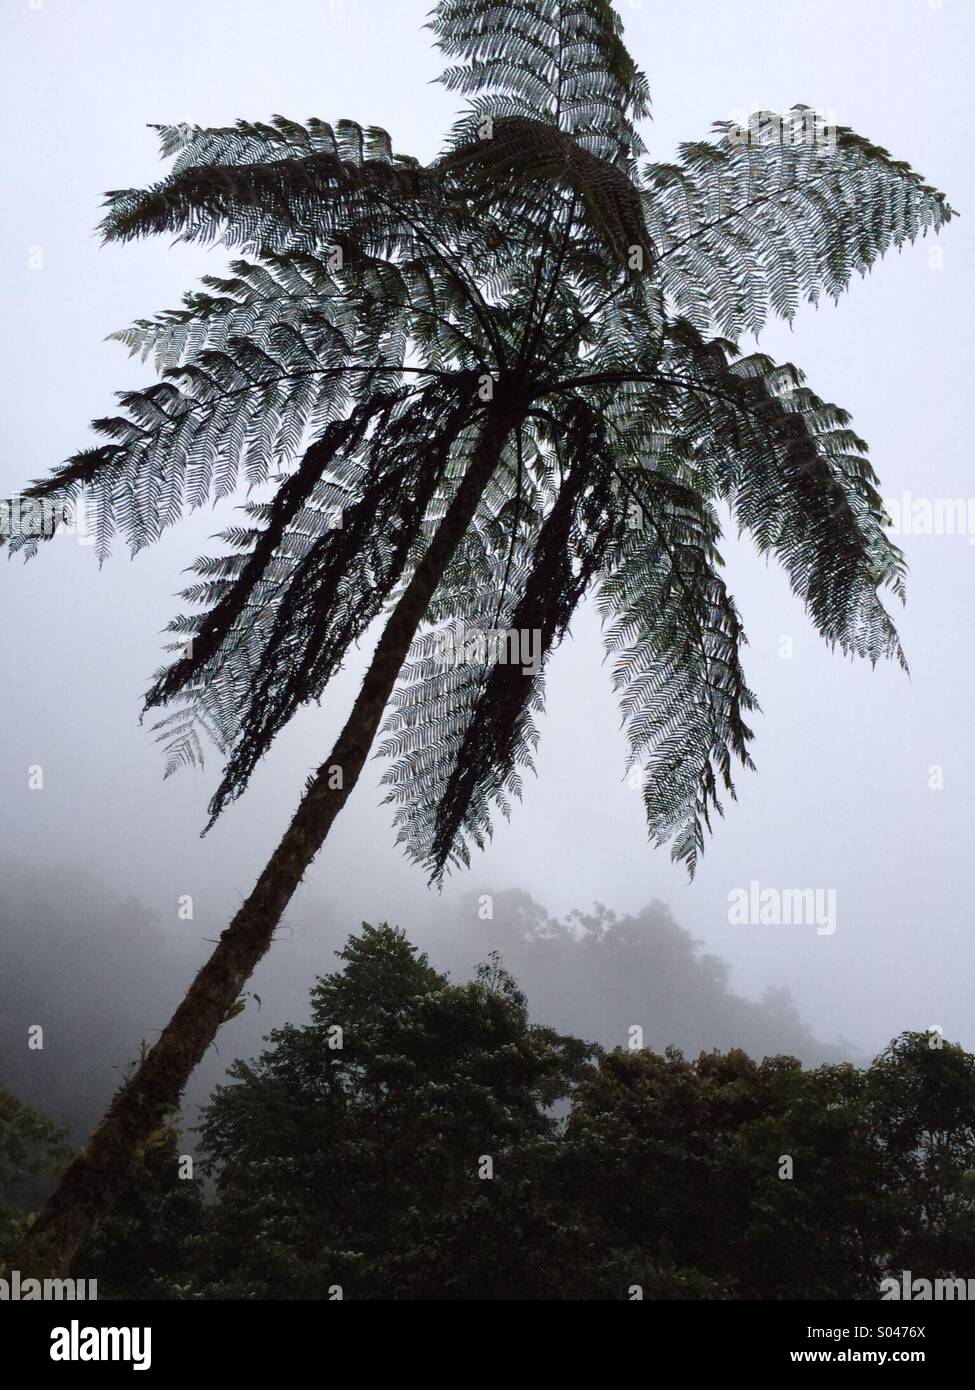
pixel 462 727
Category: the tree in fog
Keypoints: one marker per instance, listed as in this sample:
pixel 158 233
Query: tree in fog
pixel 472 393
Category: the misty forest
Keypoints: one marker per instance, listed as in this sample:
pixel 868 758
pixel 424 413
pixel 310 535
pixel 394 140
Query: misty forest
pixel 458 414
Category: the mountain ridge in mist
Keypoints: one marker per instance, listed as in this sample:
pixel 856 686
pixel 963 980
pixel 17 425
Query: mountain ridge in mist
pixel 99 973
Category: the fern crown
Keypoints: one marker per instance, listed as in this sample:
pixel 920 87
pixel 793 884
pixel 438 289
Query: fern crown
pixel 375 313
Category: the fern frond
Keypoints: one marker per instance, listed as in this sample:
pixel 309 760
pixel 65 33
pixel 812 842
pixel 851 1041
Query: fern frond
pixel 559 61
pixel 278 192
pixel 284 617
pixel 798 480
pixel 676 635
pixel 339 369
pixel 521 152
pixel 750 224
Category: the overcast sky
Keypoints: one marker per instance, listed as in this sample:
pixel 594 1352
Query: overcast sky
pixel 843 797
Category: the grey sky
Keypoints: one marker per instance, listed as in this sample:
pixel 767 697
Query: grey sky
pixel 842 797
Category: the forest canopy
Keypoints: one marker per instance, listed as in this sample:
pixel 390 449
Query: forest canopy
pixel 419 1138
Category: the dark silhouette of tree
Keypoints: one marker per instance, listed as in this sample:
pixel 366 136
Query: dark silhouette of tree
pixel 398 1145
pixel 407 1144
pixel 512 375
pixel 921 1107
pixel 64 933
pixel 779 1182
pixel 687 1157
pixel 30 1145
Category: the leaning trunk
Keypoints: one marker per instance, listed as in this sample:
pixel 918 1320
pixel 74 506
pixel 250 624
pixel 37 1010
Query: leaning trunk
pixel 93 1182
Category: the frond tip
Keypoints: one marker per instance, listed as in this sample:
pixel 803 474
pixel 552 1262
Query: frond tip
pixel 676 637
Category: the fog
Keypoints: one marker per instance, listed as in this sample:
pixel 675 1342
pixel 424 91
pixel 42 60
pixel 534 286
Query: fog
pixel 864 781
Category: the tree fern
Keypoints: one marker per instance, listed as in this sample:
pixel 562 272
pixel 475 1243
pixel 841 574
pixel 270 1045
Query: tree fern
pixel 485 367
pixel 344 366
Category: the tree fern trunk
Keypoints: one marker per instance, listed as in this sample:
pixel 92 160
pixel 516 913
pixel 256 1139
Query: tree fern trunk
pixel 96 1177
